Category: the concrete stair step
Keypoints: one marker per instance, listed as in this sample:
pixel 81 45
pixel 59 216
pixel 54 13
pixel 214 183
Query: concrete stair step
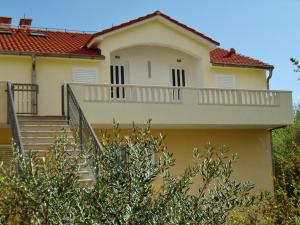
pixel 86 182
pixel 30 118
pixel 34 133
pixel 37 146
pixel 70 152
pixel 39 133
pixel 38 128
pixel 47 140
pixel 43 122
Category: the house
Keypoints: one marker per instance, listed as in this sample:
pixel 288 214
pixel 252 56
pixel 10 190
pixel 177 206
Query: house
pixel 151 67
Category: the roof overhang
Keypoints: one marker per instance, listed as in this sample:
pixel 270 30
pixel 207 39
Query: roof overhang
pixel 55 55
pixel 158 16
pixel 243 66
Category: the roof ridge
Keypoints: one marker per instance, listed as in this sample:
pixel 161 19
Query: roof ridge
pixel 40 29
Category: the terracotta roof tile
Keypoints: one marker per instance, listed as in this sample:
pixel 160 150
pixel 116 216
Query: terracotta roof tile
pixel 224 57
pixel 55 42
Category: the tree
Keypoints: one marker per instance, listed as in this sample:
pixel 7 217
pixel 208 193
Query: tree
pixel 296 64
pixel 48 191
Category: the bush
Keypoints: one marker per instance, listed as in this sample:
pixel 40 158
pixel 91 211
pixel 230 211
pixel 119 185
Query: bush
pixel 282 207
pixel 37 191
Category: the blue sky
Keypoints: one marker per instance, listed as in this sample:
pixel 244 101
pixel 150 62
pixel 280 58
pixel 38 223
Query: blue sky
pixel 264 29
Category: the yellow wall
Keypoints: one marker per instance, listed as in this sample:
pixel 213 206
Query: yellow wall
pixel 15 68
pixel 51 74
pixel 252 146
pixel 5 137
pixel 245 78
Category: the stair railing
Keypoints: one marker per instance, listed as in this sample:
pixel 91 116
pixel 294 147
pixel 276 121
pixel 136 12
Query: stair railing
pixel 13 120
pixel 78 121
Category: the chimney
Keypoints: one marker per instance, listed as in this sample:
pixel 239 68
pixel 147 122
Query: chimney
pixel 25 23
pixel 231 52
pixel 5 22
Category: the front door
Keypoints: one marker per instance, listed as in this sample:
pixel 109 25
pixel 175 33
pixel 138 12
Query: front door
pixel 178 80
pixel 117 79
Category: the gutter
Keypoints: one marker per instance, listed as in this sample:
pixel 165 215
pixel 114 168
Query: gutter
pixel 55 55
pixel 269 77
pixel 243 66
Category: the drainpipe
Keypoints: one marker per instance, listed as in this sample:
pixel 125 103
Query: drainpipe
pixel 33 81
pixel 33 69
pixel 273 156
pixel 269 77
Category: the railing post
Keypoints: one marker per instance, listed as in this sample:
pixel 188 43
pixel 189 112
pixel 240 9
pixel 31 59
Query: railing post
pixel 68 103
pixel 63 100
pixel 80 130
pixel 36 99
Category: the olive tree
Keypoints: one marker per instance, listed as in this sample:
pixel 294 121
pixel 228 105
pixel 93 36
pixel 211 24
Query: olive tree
pixel 133 186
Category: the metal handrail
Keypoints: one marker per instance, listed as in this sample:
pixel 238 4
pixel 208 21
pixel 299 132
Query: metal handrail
pixel 13 120
pixel 79 122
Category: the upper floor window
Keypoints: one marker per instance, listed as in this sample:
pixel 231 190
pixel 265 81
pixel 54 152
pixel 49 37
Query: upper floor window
pixel 85 75
pixel 225 81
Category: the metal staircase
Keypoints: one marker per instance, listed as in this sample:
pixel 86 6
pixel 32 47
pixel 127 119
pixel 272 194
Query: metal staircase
pixel 37 133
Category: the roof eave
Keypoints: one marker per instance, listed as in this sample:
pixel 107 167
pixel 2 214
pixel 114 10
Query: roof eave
pixel 56 55
pixel 268 67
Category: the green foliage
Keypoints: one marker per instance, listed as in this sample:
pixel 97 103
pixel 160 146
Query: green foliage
pixel 287 159
pixel 282 208
pixel 41 190
pixel 48 191
pixel 296 64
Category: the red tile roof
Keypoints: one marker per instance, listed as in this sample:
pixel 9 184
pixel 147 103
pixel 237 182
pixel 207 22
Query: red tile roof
pixel 71 44
pixel 224 57
pixel 58 43
pixel 156 13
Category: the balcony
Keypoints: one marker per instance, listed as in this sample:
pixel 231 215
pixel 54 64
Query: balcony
pixel 171 107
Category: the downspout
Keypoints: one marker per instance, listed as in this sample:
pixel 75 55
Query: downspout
pixel 273 156
pixel 33 69
pixel 271 136
pixel 269 77
pixel 33 80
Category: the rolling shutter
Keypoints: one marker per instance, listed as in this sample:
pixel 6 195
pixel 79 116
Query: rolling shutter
pixel 225 81
pixel 85 75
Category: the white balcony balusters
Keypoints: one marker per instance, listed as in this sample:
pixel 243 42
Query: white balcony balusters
pixel 238 97
pixel 132 93
pixel 157 94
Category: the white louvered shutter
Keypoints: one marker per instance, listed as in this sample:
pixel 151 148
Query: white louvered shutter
pixel 225 81
pixel 85 75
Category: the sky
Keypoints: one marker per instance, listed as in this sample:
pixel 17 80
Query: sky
pixel 264 29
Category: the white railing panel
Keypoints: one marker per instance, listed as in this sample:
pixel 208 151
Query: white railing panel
pixel 238 97
pixel 131 93
pixel 174 95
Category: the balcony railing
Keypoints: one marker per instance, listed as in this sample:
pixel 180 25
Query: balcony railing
pixel 184 107
pixel 131 93
pixel 156 94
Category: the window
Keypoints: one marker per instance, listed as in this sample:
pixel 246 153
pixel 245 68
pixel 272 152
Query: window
pixel 85 75
pixel 178 80
pixel 117 78
pixel 178 77
pixel 37 34
pixel 5 32
pixel 225 81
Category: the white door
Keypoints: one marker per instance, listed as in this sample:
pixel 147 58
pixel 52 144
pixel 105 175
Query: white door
pixel 117 78
pixel 178 77
pixel 178 80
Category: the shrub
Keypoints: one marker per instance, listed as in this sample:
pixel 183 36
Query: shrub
pixel 282 206
pixel 48 192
